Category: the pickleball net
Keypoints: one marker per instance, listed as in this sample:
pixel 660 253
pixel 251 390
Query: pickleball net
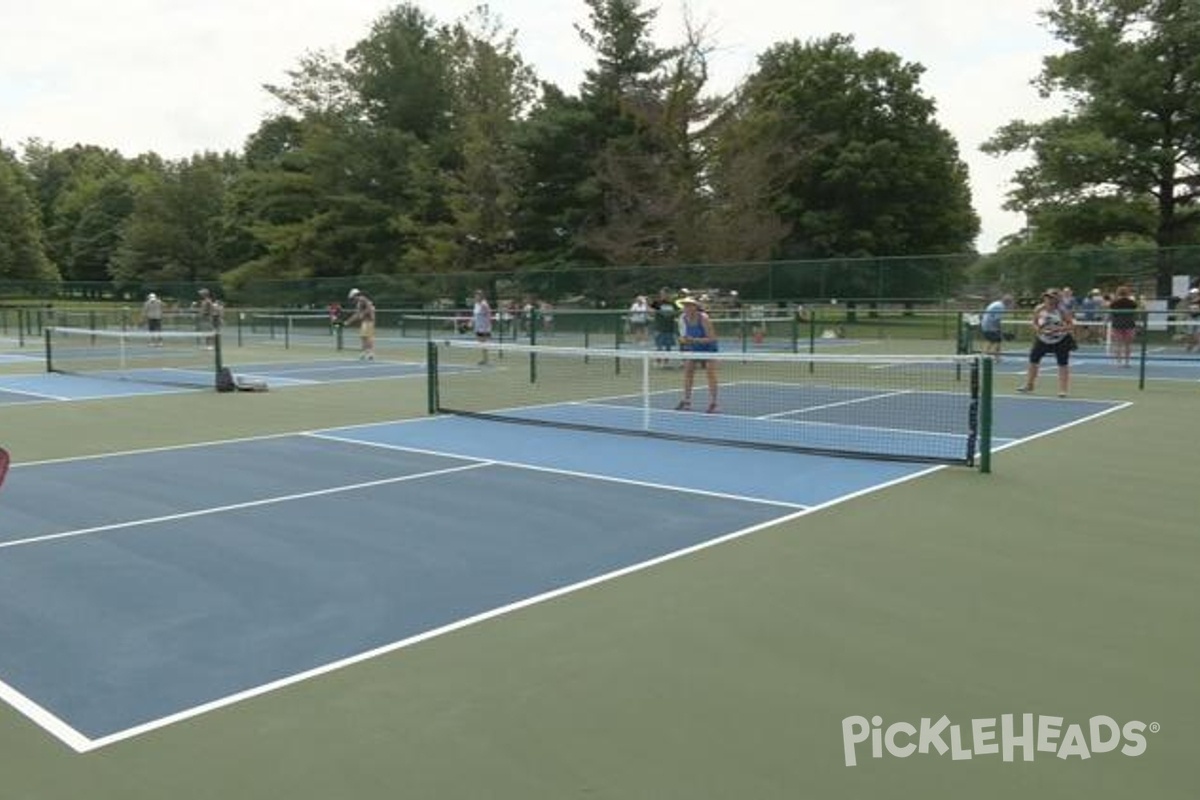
pixel 934 409
pixel 172 358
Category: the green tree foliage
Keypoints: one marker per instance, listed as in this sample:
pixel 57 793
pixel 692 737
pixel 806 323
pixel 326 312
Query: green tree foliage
pixel 1123 162
pixel 401 75
pixel 491 90
pixel 398 160
pixel 613 174
pixel 176 231
pixel 85 198
pixel 22 255
pixel 865 168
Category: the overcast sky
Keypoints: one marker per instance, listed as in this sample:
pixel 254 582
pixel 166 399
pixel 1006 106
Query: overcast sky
pixel 181 76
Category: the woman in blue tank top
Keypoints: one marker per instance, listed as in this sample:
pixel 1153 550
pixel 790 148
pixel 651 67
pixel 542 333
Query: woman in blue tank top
pixel 698 336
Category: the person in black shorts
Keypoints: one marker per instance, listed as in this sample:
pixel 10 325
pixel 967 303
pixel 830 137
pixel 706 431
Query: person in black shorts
pixel 1052 325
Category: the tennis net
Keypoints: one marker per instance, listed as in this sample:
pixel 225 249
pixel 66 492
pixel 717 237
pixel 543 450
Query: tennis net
pixel 934 409
pixel 173 358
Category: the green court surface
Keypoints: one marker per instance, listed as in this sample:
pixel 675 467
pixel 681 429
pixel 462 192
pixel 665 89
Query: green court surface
pixel 1061 585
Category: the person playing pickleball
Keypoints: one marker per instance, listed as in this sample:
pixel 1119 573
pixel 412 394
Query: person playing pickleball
pixel 697 335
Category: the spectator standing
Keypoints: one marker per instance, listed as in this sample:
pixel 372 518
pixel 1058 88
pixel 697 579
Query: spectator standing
pixel 481 322
pixel 664 314
pixel 1193 312
pixel 639 318
pixel 1123 319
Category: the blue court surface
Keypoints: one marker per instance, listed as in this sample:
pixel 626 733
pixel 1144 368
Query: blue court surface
pixel 143 588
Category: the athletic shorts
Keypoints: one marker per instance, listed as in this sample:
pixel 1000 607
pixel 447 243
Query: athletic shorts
pixel 367 328
pixel 1061 350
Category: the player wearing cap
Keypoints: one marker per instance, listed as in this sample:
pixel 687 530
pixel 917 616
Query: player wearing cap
pixel 206 313
pixel 364 315
pixel 152 312
pixel 698 336
pixel 1052 325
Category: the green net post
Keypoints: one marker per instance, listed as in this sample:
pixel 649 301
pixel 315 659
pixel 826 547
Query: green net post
pixel 1144 350
pixel 49 351
pixel 217 356
pixel 339 336
pixel 431 371
pixel 985 418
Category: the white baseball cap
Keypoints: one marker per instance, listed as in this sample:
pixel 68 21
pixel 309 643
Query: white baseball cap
pixel 353 293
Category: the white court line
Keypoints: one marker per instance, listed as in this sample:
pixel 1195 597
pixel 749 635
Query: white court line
pixel 838 404
pixel 1049 431
pixel 27 393
pixel 570 473
pixel 203 512
pixel 45 719
pixel 82 744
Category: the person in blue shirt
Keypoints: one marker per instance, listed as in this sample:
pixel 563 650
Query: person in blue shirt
pixel 991 325
pixel 697 335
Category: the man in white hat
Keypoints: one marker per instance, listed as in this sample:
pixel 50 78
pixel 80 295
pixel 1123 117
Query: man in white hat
pixel 152 312
pixel 364 315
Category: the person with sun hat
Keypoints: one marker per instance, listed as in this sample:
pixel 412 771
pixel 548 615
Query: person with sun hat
pixel 697 335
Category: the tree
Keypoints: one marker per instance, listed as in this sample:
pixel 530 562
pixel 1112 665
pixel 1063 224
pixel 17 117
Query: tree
pixel 176 231
pixel 491 91
pixel 613 174
pixel 85 196
pixel 863 167
pixel 360 176
pixel 22 255
pixel 1123 162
